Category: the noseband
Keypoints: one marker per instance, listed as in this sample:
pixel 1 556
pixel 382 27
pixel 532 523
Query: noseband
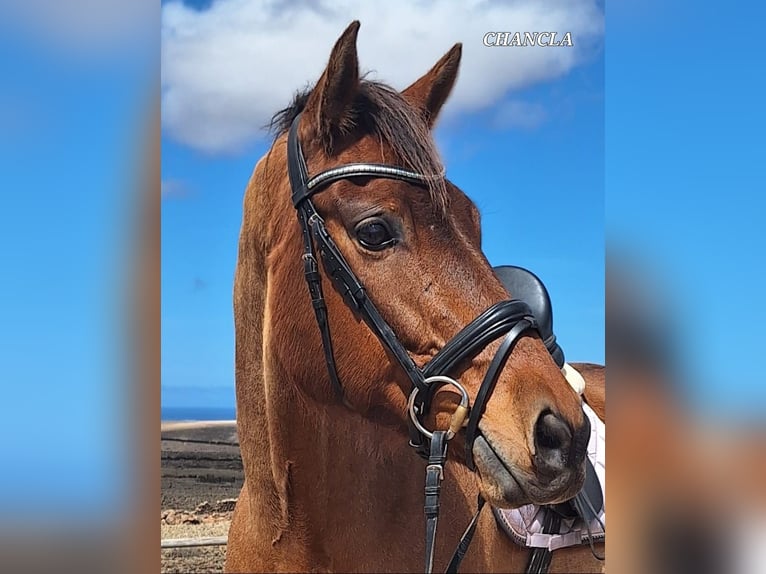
pixel 510 318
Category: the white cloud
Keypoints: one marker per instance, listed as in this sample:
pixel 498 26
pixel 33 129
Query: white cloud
pixel 227 69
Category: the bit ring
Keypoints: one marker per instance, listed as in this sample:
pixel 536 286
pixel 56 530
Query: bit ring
pixel 458 417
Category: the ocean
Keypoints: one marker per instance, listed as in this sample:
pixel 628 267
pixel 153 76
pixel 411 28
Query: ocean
pixel 197 413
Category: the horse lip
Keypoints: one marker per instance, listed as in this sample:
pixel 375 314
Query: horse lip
pixel 500 459
pixel 511 487
pixel 526 491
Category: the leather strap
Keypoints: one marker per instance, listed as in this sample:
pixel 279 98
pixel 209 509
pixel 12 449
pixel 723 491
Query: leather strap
pixel 304 187
pixel 434 477
pixel 540 558
pixel 296 165
pixel 491 324
pixel 465 540
pixel 314 282
pixel 352 170
pixel 488 385
pixel 356 298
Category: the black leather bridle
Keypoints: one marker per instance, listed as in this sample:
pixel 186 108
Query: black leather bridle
pixel 511 319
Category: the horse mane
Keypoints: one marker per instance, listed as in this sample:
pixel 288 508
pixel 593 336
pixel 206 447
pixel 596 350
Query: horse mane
pixel 381 111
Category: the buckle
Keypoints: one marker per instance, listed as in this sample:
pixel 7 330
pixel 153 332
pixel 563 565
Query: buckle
pixel 438 467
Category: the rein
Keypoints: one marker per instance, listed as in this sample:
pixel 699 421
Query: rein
pixel 510 319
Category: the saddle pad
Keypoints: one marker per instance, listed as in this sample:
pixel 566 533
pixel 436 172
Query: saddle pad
pixel 525 524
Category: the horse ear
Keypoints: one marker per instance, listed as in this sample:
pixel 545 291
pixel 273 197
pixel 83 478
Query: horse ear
pixel 431 91
pixel 336 89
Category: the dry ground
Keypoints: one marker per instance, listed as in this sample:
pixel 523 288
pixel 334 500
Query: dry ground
pixel 201 478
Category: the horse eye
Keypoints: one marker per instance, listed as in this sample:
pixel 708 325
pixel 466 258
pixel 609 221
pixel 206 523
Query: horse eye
pixel 374 235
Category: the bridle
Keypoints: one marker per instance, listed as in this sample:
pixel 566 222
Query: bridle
pixel 511 319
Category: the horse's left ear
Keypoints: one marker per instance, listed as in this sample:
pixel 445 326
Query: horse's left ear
pixel 329 100
pixel 431 91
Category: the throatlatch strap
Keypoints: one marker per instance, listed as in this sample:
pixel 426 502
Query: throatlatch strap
pixel 314 283
pixel 434 476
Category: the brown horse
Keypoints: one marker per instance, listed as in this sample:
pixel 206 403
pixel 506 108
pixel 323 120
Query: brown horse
pixel 332 485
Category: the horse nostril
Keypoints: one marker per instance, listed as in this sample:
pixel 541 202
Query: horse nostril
pixel 553 439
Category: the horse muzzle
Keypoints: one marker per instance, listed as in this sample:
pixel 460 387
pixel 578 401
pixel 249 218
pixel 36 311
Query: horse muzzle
pixel 552 473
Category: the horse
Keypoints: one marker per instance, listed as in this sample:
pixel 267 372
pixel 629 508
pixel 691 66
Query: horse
pixel 330 381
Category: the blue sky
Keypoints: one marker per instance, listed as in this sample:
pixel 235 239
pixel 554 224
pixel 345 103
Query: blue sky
pixel 537 176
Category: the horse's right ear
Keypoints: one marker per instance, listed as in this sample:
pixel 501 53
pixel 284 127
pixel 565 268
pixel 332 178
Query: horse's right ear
pixel 329 100
pixel 429 93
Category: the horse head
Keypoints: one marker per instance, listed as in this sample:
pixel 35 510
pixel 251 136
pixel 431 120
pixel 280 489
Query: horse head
pixel 415 247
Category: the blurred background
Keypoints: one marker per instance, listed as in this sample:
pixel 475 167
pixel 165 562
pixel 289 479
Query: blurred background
pixel 80 297
pixel 685 178
pixel 79 229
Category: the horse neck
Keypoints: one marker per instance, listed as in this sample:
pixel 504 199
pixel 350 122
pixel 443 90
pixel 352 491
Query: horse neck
pixel 347 484
pixel 317 467
pixel 338 464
